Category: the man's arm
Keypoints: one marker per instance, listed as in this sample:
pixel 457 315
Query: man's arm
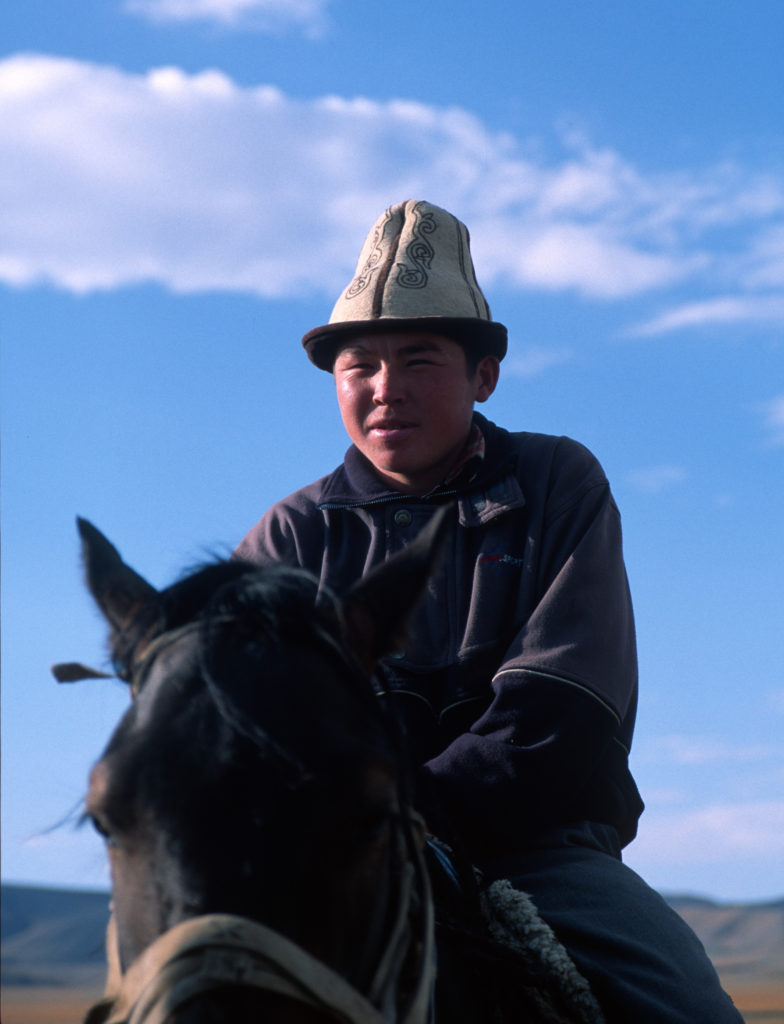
pixel 552 746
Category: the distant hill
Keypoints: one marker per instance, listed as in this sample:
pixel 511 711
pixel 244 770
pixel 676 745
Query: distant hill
pixel 52 936
pixel 745 941
pixel 55 937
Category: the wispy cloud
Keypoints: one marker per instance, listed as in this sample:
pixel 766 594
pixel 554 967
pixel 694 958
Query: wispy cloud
pixel 772 412
pixel 655 479
pixel 261 15
pixel 60 851
pixel 747 309
pixel 196 182
pixel 750 830
pixel 533 360
pixel 764 262
pixel 702 750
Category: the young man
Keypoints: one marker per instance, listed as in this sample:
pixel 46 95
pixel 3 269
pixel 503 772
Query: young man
pixel 518 686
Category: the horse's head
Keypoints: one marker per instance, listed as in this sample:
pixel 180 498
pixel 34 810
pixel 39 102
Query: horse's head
pixel 255 773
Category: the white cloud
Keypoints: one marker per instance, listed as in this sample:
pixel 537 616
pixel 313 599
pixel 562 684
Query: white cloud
pixel 59 856
pixel 196 182
pixel 655 479
pixel 752 830
pixel 597 258
pixel 765 264
pixel 701 750
pixel 748 309
pixel 664 797
pixel 262 15
pixel 773 419
pixel 532 361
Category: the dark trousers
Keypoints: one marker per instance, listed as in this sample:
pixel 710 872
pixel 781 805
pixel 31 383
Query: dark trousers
pixel 644 964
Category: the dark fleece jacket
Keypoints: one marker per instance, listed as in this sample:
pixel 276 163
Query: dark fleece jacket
pixel 518 687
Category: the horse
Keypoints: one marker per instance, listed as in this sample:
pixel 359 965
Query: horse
pixel 268 862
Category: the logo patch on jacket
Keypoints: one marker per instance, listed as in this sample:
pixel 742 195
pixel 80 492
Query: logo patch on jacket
pixel 500 559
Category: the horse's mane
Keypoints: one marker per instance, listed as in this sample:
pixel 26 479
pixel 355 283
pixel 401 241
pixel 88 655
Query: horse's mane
pixel 268 606
pixel 244 616
pixel 178 604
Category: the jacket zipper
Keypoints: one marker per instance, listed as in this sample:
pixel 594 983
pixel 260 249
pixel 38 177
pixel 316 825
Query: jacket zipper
pixel 390 499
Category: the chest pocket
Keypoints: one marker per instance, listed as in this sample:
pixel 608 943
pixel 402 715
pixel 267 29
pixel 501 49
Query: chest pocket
pixel 502 573
pixel 476 602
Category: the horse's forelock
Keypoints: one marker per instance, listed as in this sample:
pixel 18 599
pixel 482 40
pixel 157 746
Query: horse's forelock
pixel 259 680
pixel 247 624
pixel 244 620
pixel 265 597
pixel 269 604
pixel 281 620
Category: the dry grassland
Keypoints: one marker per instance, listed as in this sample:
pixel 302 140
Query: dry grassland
pixel 28 1005
pixel 23 1004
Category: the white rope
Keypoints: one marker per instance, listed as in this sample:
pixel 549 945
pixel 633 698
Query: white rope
pixel 216 951
pixel 219 950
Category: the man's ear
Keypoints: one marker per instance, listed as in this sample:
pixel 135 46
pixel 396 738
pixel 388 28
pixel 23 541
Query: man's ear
pixel 487 373
pixel 377 609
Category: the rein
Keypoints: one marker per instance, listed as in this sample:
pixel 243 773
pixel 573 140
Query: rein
pixel 217 951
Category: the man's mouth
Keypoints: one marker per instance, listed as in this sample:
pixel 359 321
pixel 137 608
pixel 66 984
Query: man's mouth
pixel 391 429
pixel 390 425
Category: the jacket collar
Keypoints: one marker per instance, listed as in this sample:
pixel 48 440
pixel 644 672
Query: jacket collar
pixel 355 483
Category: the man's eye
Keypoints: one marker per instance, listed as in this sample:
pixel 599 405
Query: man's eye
pixel 354 368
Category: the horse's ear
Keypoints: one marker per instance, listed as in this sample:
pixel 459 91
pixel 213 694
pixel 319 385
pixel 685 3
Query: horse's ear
pixel 118 590
pixel 377 609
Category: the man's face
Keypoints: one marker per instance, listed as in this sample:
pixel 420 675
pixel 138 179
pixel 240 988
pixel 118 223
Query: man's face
pixel 406 400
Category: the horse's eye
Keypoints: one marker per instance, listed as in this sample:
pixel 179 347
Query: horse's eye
pixel 373 826
pixel 103 830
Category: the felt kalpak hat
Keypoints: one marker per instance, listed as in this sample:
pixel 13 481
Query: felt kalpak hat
pixel 415 273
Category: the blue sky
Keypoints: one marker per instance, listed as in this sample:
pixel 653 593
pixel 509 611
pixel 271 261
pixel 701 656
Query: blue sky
pixel 185 188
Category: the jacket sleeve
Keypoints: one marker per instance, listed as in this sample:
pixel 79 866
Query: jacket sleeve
pixel 290 532
pixel 552 746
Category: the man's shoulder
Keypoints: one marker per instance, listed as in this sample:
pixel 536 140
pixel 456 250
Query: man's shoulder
pixel 289 529
pixel 305 499
pixel 534 452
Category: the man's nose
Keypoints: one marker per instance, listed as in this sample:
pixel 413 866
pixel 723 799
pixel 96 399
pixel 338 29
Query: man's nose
pixel 389 386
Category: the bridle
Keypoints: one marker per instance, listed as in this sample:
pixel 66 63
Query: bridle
pixel 216 951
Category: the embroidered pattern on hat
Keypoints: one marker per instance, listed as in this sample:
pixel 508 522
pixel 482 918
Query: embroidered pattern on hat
pixel 420 252
pixel 365 275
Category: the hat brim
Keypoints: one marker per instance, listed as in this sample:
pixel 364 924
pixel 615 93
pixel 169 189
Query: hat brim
pixel 479 337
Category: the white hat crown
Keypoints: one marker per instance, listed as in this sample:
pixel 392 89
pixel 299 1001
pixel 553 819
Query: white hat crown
pixel 414 272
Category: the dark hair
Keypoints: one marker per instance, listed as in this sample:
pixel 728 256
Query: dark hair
pixel 474 349
pixel 474 356
pixel 485 336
